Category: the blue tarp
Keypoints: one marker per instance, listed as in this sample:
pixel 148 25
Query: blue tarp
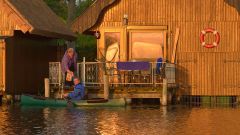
pixel 133 65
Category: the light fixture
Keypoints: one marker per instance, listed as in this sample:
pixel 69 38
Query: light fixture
pixel 125 19
pixel 97 35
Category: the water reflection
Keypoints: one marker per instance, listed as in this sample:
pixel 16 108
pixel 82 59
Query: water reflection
pixel 157 120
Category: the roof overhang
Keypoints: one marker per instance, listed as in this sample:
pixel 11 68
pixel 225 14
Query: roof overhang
pixel 91 16
pixel 25 26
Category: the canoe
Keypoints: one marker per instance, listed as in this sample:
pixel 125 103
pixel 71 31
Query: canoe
pixel 28 100
pixel 110 103
pixel 40 101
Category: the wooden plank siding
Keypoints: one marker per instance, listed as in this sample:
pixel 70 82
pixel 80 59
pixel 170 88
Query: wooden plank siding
pixel 200 71
pixel 10 21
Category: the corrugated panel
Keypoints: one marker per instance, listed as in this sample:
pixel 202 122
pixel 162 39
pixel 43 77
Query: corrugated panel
pixel 201 71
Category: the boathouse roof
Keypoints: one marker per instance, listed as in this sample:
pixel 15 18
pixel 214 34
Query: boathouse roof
pixel 35 17
pixel 91 15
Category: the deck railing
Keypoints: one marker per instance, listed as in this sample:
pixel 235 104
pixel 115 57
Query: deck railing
pixel 91 74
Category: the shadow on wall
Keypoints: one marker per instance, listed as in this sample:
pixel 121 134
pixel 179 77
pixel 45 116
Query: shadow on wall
pixel 234 3
pixel 182 79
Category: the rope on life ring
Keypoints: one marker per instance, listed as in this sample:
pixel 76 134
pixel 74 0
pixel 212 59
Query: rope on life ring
pixel 208 45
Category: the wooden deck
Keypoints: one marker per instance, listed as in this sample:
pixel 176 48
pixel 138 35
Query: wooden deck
pixel 128 93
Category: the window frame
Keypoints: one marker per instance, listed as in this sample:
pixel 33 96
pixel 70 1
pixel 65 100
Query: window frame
pixel 147 29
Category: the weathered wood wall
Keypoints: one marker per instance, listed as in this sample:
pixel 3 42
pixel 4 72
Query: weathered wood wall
pixel 200 71
pixel 27 59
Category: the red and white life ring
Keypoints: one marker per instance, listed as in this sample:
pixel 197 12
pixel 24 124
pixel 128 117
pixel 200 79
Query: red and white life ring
pixel 208 45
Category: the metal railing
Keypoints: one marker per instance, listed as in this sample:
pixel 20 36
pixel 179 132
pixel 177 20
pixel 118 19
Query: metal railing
pixel 91 74
pixel 55 74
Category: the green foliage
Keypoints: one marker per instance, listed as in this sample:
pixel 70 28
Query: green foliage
pixel 85 45
pixel 59 7
pixel 83 6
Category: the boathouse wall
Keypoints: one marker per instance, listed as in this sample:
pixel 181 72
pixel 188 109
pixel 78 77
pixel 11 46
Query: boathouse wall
pixel 200 71
pixel 29 33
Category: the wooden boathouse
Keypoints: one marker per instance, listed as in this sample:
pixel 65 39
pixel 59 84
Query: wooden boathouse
pixel 29 33
pixel 148 29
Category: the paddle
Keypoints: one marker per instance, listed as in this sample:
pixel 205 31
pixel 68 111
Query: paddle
pixel 69 102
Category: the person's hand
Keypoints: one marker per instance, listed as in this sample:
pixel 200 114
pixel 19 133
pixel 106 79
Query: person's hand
pixel 70 72
pixel 65 95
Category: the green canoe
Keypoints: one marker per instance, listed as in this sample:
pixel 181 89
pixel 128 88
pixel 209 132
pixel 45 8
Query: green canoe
pixel 39 101
pixel 109 103
pixel 28 100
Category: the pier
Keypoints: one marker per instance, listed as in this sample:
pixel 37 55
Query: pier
pixel 128 84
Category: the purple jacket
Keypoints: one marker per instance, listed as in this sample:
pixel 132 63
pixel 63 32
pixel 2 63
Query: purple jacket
pixel 67 62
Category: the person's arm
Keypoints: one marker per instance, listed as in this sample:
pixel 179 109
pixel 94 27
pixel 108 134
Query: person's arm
pixel 64 64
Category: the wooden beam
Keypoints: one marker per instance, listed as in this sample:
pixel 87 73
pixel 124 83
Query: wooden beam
pixel 2 52
pixel 147 27
pixel 4 65
pixel 6 33
pixel 165 45
pixel 175 45
pixel 20 23
pixel 127 95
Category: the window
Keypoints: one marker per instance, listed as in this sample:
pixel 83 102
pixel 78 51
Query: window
pixel 112 43
pixel 146 45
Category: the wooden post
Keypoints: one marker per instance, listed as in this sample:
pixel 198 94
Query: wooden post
pixel 83 66
pixel 175 45
pixel 4 65
pixel 164 93
pixel 165 46
pixel 47 87
pixel 128 101
pixel 106 86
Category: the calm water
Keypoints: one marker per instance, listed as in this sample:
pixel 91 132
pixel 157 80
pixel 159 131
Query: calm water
pixel 176 120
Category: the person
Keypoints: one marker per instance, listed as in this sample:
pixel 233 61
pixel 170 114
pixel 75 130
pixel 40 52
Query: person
pixel 159 65
pixel 69 66
pixel 79 91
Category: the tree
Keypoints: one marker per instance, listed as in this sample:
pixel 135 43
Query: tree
pixel 68 10
pixel 71 11
pixel 59 7
pixel 82 6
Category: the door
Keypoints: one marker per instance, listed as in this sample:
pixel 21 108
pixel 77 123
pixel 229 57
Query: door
pixel 2 64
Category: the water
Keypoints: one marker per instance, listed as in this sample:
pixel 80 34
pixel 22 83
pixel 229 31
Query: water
pixel 174 120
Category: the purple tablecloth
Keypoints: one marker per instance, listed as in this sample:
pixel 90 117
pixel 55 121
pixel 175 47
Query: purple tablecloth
pixel 133 65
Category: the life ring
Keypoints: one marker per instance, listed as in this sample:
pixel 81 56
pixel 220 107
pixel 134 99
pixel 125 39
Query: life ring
pixel 208 45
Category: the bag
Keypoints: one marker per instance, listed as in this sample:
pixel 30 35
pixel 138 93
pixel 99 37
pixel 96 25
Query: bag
pixel 69 77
